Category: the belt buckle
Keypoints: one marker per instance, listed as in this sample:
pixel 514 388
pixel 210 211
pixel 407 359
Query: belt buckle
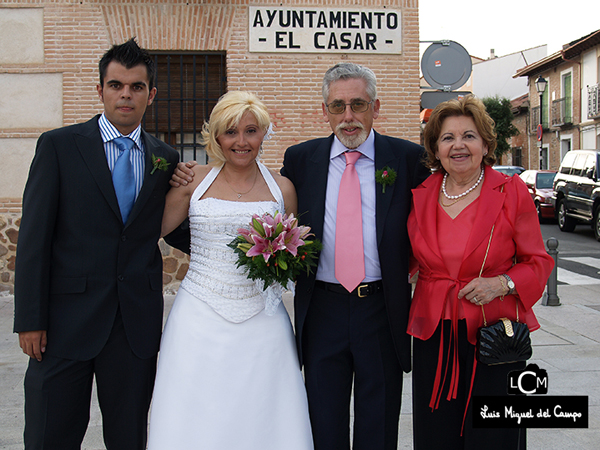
pixel 359 290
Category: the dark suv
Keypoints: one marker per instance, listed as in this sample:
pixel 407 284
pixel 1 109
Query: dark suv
pixel 576 195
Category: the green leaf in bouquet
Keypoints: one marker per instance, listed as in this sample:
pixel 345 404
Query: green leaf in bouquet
pixel 258 226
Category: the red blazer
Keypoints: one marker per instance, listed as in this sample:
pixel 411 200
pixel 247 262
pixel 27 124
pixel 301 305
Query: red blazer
pixel 516 232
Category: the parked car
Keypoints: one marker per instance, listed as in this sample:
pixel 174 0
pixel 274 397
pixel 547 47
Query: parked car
pixel 540 184
pixel 576 195
pixel 510 170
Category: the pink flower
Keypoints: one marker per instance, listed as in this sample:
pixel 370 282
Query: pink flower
pixel 294 239
pixel 246 234
pixel 262 247
pixel 290 222
pixel 268 235
pixel 279 243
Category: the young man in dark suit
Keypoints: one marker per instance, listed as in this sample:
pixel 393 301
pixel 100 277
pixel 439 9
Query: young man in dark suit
pixel 88 282
pixel 351 314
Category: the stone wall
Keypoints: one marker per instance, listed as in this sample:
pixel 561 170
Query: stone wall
pixel 175 262
pixel 175 266
pixel 9 232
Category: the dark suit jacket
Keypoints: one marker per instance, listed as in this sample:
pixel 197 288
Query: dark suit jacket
pixel 307 165
pixel 76 261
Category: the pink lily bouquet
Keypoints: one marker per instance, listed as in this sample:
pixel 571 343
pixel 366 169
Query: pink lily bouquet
pixel 275 249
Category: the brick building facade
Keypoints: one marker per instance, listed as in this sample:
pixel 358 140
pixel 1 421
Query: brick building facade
pixel 49 71
pixel 569 106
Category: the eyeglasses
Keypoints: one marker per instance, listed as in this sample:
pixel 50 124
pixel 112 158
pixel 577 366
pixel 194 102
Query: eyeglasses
pixel 357 106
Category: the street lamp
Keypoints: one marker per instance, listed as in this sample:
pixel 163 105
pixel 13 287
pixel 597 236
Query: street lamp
pixel 540 86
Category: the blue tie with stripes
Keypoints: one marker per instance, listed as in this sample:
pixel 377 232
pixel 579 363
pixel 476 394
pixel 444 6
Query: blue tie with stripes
pixel 123 178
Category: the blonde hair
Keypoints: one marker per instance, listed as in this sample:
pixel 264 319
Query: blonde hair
pixel 226 114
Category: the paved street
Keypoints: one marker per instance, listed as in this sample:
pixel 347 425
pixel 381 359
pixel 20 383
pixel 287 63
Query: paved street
pixel 567 346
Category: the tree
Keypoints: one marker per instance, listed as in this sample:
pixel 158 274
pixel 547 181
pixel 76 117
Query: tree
pixel 500 110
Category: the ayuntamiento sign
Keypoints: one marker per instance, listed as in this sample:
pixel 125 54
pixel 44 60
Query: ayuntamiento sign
pixel 324 30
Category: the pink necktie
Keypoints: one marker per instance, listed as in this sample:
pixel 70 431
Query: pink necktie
pixel 349 253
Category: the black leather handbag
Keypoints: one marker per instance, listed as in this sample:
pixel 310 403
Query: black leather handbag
pixel 505 341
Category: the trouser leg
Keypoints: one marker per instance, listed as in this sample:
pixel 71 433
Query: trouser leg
pixel 328 369
pixel 125 384
pixel 57 403
pixel 378 376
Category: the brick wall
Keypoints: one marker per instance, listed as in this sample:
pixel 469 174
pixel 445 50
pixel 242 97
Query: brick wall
pixel 521 140
pixel 553 137
pixel 76 34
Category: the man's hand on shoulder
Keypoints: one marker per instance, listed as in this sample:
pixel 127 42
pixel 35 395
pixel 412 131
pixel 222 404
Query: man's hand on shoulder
pixel 183 174
pixel 33 343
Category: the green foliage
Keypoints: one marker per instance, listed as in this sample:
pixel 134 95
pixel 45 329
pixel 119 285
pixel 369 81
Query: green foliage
pixel 499 109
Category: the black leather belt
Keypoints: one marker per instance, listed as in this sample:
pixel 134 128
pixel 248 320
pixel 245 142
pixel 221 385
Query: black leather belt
pixel 363 290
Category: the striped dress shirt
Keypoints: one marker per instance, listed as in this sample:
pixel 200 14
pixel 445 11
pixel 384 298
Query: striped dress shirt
pixel 137 154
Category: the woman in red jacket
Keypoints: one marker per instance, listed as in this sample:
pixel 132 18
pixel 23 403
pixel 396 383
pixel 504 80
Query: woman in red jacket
pixel 453 213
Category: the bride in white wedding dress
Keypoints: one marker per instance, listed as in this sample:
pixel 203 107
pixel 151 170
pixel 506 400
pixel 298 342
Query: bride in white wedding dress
pixel 228 375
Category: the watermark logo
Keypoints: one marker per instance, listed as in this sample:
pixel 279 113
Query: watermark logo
pixel 531 380
pixel 528 406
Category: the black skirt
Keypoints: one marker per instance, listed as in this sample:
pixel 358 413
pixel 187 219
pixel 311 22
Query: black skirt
pixel 441 428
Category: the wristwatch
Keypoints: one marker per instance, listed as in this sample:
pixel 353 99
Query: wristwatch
pixel 510 283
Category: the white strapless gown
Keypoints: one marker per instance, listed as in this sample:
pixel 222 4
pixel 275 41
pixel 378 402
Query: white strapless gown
pixel 228 373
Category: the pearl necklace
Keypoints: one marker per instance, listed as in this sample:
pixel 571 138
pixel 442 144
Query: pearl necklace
pixel 451 203
pixel 453 197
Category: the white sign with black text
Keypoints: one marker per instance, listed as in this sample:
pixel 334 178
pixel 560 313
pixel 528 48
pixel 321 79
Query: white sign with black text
pixel 325 30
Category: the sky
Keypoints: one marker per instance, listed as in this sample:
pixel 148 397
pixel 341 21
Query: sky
pixel 507 26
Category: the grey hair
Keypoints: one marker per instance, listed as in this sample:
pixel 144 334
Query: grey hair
pixel 345 71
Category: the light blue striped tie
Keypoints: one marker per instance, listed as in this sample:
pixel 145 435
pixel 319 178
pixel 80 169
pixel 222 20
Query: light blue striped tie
pixel 123 178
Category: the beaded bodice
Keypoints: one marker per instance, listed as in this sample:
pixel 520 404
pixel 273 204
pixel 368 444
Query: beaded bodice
pixel 212 275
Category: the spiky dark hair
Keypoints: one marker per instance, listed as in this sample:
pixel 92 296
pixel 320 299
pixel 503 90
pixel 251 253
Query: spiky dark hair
pixel 129 54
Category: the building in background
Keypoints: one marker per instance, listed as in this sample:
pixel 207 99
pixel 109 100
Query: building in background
pixel 519 144
pixel 570 105
pixel 493 77
pixel 50 50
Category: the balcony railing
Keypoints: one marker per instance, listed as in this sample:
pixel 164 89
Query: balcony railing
pixel 535 119
pixel 593 102
pixel 562 112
